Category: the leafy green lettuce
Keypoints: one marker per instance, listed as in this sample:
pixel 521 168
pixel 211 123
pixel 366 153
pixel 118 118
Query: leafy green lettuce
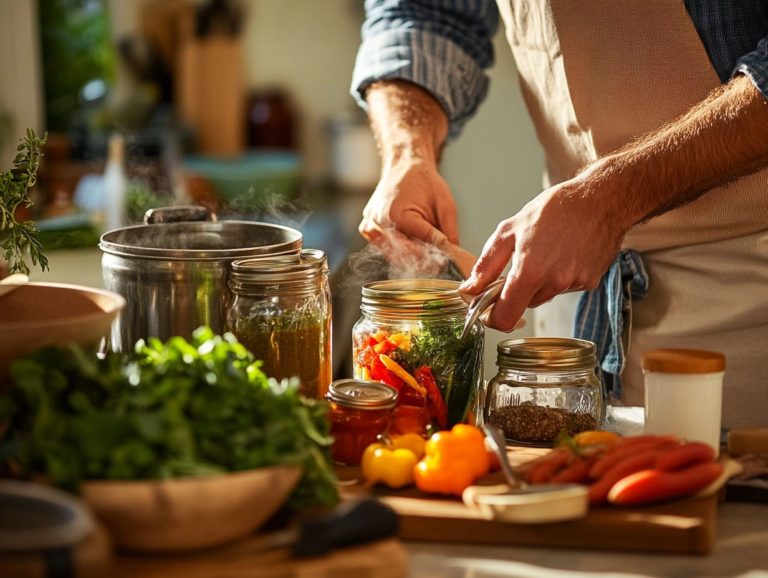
pixel 169 410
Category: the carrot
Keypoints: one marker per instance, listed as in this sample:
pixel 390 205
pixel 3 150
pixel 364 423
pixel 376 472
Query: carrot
pixel 685 455
pixel 621 451
pixel 543 471
pixel 650 486
pixel 575 473
pixel 598 492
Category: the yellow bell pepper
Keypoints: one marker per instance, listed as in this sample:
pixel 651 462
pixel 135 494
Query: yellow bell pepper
pixel 409 441
pixel 393 467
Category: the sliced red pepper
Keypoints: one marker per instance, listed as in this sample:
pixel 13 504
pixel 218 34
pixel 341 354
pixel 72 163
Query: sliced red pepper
pixel 409 396
pixel 382 374
pixel 385 346
pixel 425 378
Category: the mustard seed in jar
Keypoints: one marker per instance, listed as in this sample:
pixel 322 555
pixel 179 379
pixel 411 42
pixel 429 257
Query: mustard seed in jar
pixel 532 423
pixel 545 386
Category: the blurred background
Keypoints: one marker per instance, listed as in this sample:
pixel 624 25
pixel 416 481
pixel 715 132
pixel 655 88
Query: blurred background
pixel 242 106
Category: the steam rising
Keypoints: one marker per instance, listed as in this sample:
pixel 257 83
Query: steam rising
pixel 393 256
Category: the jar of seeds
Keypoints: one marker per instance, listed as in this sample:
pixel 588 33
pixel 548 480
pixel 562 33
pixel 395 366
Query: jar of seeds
pixel 545 387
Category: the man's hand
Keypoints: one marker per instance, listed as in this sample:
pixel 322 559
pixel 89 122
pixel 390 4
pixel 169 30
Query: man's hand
pixel 412 197
pixel 565 239
pixel 560 241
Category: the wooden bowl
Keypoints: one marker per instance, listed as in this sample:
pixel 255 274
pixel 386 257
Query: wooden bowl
pixel 39 314
pixel 189 513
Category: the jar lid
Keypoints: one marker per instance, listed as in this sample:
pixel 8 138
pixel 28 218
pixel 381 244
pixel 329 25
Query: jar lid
pixel 361 394
pixel 412 297
pixel 302 268
pixel 546 354
pixel 683 361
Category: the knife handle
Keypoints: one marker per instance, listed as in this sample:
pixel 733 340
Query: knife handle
pixel 356 522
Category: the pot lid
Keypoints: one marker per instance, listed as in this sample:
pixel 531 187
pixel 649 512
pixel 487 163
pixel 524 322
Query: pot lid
pixel 201 241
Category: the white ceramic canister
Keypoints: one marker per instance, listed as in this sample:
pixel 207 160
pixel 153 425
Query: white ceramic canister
pixel 684 393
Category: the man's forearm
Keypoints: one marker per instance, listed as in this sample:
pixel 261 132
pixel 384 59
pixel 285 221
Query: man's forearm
pixel 407 121
pixel 717 141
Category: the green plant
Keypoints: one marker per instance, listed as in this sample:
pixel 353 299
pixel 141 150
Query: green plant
pixel 173 409
pixel 77 48
pixel 16 237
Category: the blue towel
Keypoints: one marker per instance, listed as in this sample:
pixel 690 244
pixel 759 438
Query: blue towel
pixel 601 315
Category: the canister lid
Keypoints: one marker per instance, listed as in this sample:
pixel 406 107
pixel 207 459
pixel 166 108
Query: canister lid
pixel 546 354
pixel 361 394
pixel 683 361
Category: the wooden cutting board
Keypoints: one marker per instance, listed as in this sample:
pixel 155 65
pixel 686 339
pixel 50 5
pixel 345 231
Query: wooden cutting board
pixel 682 527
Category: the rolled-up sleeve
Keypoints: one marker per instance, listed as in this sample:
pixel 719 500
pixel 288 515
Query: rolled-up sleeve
pixel 441 45
pixel 755 65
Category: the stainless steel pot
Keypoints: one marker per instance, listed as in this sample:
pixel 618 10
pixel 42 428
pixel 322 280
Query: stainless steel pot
pixel 174 275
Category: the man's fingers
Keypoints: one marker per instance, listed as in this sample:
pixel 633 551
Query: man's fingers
pixel 495 256
pixel 412 224
pixel 485 318
pixel 512 303
pixel 369 229
pixel 448 222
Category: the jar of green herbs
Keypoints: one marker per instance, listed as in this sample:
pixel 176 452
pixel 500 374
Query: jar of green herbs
pixel 282 314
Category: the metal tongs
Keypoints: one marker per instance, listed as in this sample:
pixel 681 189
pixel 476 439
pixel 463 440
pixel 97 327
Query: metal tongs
pixel 480 303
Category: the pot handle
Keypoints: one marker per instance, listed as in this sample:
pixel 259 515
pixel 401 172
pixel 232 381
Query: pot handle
pixel 178 214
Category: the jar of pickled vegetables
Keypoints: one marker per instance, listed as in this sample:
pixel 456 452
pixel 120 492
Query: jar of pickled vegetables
pixel 545 387
pixel 409 337
pixel 282 314
pixel 360 411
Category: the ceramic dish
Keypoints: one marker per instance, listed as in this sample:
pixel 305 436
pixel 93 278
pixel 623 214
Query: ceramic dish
pixel 551 503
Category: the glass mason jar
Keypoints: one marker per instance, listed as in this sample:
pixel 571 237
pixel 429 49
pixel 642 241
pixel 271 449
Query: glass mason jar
pixel 409 337
pixel 282 314
pixel 360 411
pixel 545 386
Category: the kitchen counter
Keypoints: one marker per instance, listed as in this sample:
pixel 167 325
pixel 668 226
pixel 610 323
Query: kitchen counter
pixel 741 549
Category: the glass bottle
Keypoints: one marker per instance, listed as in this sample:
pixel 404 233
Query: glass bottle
pixel 282 314
pixel 409 337
pixel 545 386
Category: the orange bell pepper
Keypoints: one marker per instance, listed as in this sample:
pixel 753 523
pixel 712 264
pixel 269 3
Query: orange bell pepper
pixel 453 461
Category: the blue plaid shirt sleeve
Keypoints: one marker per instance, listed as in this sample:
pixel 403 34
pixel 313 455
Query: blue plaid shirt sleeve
pixel 444 46
pixel 755 65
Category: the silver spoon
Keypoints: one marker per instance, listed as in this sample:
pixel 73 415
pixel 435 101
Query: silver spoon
pixel 499 445
pixel 497 442
pixel 479 304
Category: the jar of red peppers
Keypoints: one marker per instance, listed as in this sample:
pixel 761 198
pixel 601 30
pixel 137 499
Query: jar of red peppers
pixel 360 412
pixel 409 337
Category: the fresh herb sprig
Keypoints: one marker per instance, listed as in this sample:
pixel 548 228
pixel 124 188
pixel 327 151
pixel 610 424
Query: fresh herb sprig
pixel 17 237
pixel 173 409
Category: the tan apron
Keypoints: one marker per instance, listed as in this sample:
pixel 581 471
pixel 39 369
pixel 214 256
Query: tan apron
pixel 595 75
